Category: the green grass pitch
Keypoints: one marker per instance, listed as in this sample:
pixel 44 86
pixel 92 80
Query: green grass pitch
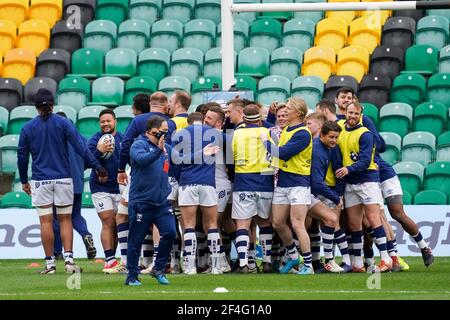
pixel 17 281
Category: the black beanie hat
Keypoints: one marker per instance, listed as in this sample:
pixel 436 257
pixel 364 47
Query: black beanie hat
pixel 43 97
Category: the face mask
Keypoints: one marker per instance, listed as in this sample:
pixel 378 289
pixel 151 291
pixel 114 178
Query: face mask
pixel 159 134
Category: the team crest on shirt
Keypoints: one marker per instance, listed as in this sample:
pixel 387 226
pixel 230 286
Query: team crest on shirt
pixel 241 196
pixel 354 156
pixel 139 217
pixel 37 184
pixel 101 204
pixel 221 194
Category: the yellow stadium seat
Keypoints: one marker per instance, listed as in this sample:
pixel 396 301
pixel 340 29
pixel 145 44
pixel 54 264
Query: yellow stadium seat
pixel 34 35
pixel 8 34
pixel 365 33
pixel 348 16
pixel 19 63
pixel 331 32
pixel 377 16
pixel 353 61
pixel 319 61
pixel 14 10
pixel 1 63
pixel 47 10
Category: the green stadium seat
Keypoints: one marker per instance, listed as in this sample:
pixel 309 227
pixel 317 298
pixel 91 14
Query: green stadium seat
pixel 439 88
pixel 432 31
pixel 213 63
pixel 444 60
pixel 265 33
pixel 410 175
pixel 200 34
pixel 299 33
pixel 154 62
pixel 114 10
pixel 408 88
pixel 87 123
pixel 100 35
pixel 124 115
pixel 16 187
pixel 309 88
pixel 393 147
pixel 87 63
pixel 146 10
pixel 16 200
pixel 254 61
pixel 4 117
pixel 241 29
pixel 133 34
pixel 286 61
pixel 396 117
pixel 8 148
pixel 439 12
pixel 244 82
pixel 74 92
pixel 283 15
pixel 107 91
pixel 419 146
pixel 86 200
pixel 430 117
pixel 314 16
pixel 120 62
pixel 187 62
pixel 170 84
pixel 249 17
pixel 430 197
pixel 201 85
pixel 180 10
pixel 19 116
pixel 421 58
pixel 437 177
pixel 273 88
pixel 407 199
pixel 443 147
pixel 139 84
pixel 371 111
pixel 208 9
pixel 166 34
pixel 70 112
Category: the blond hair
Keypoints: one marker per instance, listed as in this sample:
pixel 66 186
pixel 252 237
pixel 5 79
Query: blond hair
pixel 300 106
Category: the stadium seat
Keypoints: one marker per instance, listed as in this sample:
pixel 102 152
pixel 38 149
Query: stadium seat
pixel 200 34
pixel 365 33
pixel 406 198
pixel 439 12
pixel 430 117
pixel 100 35
pixel 154 62
pixel 33 85
pixel 419 146
pixel 319 61
pixel 432 31
pixel 133 34
pixel 244 82
pixel 4 117
pixel 166 34
pixel 376 16
pixel 170 84
pixel 64 36
pixel 145 10
pixel 265 33
pixel 8 35
pixel 286 61
pixel 10 93
pixel 331 32
pixel 352 61
pixel 49 11
pixel 393 147
pixel 273 88
pixel 415 14
pixel 114 10
pixel 34 35
pixel 398 32
pixel 348 16
pixel 86 200
pixel 334 83
pixel 53 63
pixel 120 62
pixel 208 9
pixel 444 60
pixel 8 148
pixel 69 111
pixel 437 177
pixel 87 123
pixel 87 63
pixel 443 147
pixel 187 62
pixel 422 59
pixel 86 8
pixel 202 84
pixel 430 197
pixel 254 61
pixel 410 175
pixel 124 115
pixel 15 11
pixel 283 15
pixel 107 91
pixel 180 10
pixel 371 111
pixel 19 116
pixel 396 117
pixel 438 89
pixel 374 89
pixel 299 33
pixel 314 16
pixel 16 200
pixel 74 92
pixel 408 88
pixel 387 61
pixel 240 30
pixel 248 17
pixel 139 84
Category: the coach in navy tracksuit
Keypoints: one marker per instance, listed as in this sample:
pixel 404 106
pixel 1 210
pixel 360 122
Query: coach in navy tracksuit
pixel 148 202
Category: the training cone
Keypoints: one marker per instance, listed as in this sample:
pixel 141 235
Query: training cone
pixel 220 289
pixel 34 265
pixel 99 261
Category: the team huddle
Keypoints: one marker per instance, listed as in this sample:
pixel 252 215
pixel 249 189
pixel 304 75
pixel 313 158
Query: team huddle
pixel 198 183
